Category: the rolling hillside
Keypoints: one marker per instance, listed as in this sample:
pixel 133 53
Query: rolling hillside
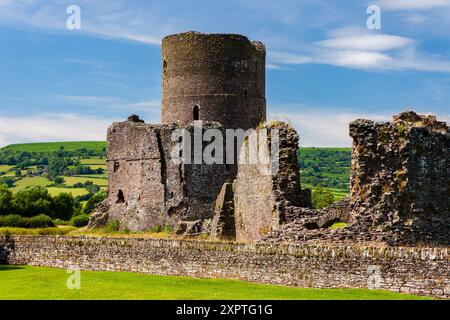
pixel 327 167
pixel 44 147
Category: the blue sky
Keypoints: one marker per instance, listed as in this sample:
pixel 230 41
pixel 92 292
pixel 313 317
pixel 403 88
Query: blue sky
pixel 324 67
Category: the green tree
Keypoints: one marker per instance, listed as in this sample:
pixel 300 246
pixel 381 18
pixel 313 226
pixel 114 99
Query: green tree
pixel 63 206
pixel 93 201
pixel 321 198
pixel 33 201
pixel 5 201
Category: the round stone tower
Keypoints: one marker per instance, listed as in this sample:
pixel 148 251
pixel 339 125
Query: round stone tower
pixel 213 77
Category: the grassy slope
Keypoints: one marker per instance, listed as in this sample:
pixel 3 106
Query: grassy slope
pixel 54 146
pixel 46 283
pixel 30 181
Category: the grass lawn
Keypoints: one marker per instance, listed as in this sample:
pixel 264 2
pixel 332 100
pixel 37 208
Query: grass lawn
pixel 93 161
pixel 30 181
pixel 70 181
pixel 55 146
pixel 54 191
pixel 27 282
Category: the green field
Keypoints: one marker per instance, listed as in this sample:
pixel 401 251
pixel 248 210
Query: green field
pixel 338 194
pixel 5 168
pixel 30 181
pixel 93 161
pixel 55 146
pixel 27 282
pixel 70 181
pixel 54 191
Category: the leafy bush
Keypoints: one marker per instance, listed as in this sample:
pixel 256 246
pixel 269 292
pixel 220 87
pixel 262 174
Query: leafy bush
pixel 13 221
pixel 16 221
pixel 80 221
pixel 113 226
pixel 321 198
pixel 59 222
pixel 93 201
pixel 40 221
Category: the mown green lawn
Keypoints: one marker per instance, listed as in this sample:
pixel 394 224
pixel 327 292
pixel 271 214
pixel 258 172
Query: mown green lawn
pixel 27 282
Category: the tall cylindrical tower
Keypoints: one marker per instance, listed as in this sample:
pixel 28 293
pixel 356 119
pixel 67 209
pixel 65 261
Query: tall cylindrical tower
pixel 213 77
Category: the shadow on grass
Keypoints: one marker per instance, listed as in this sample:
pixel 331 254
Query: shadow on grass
pixel 8 268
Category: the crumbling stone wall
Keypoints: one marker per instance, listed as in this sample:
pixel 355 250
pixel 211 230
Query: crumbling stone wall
pixel 400 179
pixel 400 188
pixel 421 271
pixel 147 188
pixel 262 194
pixel 223 75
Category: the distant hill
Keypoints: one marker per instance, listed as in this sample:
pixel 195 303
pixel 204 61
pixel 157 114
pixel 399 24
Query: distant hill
pixel 328 167
pixel 46 147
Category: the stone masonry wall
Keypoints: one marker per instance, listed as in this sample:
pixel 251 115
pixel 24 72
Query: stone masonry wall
pixel 400 179
pixel 223 75
pixel 147 188
pixel 422 271
pixel 260 198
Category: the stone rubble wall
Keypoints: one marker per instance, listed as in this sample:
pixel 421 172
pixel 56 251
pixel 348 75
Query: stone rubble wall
pixel 421 271
pixel 261 194
pixel 400 178
pixel 147 189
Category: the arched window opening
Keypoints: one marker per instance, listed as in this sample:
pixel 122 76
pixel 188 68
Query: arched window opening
pixel 120 197
pixel 164 65
pixel 196 113
pixel 116 166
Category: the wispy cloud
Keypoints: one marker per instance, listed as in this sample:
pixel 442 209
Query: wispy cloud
pixel 367 42
pixel 108 18
pixel 413 4
pixel 328 128
pixel 111 102
pixel 51 127
pixel 355 48
pixel 147 22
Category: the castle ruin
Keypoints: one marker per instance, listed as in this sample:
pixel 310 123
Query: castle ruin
pixel 400 180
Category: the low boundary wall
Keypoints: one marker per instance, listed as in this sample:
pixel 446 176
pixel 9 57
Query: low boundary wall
pixel 420 271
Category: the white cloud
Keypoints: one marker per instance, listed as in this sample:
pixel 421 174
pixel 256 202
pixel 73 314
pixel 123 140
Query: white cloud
pixel 51 127
pixel 323 128
pixel 369 42
pixel 416 19
pixel 413 4
pixel 108 18
pixel 328 128
pixel 354 48
pixel 357 59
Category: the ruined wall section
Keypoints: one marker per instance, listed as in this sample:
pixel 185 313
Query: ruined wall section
pixel 222 74
pixel 400 177
pixel 147 188
pixel 142 179
pixel 262 200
